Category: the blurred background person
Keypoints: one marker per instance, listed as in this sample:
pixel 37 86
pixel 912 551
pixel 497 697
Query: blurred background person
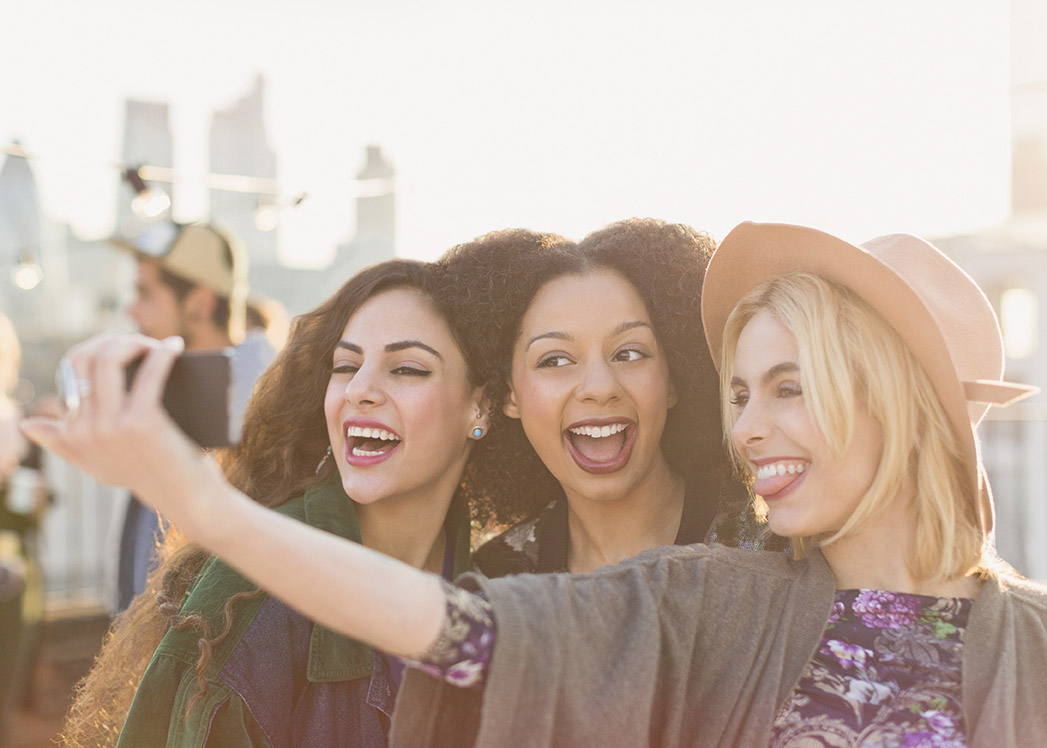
pixel 23 499
pixel 266 325
pixel 191 281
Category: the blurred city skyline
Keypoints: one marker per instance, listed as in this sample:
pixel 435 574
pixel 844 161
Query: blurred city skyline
pixel 857 120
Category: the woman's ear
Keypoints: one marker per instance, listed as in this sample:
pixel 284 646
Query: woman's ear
pixel 483 412
pixel 671 394
pixel 509 407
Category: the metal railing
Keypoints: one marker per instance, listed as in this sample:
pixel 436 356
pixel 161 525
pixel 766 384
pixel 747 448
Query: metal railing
pixel 78 536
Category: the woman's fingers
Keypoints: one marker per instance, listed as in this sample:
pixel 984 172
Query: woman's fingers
pixel 108 363
pixel 111 431
pixel 147 390
pixel 45 432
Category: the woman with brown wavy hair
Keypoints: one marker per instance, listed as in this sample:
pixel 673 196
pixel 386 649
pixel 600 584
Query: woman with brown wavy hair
pixel 362 427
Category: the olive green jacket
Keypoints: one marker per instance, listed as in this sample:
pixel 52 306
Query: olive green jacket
pixel 277 679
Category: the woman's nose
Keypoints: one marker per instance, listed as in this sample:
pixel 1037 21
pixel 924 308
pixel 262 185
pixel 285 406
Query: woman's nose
pixel 599 383
pixel 751 426
pixel 364 388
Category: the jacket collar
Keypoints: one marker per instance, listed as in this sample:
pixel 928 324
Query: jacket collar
pixel 332 656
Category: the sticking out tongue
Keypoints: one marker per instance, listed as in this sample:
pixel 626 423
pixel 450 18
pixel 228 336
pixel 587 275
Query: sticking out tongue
pixel 775 483
pixel 599 449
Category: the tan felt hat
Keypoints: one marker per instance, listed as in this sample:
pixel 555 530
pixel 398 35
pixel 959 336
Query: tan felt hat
pixel 936 308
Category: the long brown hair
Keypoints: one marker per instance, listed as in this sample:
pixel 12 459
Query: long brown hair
pixel 284 439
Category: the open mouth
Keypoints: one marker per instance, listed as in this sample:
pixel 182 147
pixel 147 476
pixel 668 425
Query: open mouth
pixel 600 447
pixel 775 477
pixel 364 442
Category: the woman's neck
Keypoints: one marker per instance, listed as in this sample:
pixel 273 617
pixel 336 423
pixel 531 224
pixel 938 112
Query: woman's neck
pixel 877 557
pixel 607 532
pixel 410 529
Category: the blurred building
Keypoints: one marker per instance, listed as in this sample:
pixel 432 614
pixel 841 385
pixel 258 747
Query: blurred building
pixel 301 289
pixel 240 146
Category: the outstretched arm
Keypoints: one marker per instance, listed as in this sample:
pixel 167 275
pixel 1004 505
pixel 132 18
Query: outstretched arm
pixel 126 438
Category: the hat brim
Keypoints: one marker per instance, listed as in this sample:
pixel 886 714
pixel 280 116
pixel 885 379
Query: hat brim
pixel 753 253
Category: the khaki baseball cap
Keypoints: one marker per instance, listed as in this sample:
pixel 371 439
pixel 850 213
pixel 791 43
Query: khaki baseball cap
pixel 198 253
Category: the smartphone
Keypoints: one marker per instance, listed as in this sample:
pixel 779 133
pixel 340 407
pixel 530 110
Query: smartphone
pixel 199 396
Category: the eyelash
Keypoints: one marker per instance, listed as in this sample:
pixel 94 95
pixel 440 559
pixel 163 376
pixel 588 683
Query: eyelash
pixel 410 371
pixel 405 371
pixel 639 355
pixel 548 361
pixel 784 390
pixel 789 390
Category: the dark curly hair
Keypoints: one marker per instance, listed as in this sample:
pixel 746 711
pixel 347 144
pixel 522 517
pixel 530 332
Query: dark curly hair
pixel 284 438
pixel 499 275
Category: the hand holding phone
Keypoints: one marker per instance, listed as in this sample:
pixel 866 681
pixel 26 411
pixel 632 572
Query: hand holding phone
pixel 199 396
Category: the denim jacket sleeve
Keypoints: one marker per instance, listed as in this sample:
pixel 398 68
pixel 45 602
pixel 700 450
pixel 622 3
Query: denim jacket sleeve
pixel 160 716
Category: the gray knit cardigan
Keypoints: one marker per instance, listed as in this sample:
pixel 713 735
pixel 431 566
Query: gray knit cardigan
pixel 697 646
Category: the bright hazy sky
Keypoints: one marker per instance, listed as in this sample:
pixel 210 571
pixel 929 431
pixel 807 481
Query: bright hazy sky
pixel 857 118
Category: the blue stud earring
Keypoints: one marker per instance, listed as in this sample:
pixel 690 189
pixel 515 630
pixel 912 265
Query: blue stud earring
pixel 478 432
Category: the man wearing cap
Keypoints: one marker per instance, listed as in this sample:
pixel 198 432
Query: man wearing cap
pixel 191 281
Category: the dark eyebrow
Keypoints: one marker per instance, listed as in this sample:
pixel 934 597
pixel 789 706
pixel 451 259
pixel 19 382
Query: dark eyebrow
pixel 786 367
pixel 399 345
pixel 629 326
pixel 556 335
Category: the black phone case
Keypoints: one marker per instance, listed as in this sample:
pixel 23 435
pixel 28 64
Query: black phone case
pixel 198 395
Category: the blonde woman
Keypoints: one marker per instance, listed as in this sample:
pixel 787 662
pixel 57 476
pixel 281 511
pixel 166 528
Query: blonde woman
pixel 853 378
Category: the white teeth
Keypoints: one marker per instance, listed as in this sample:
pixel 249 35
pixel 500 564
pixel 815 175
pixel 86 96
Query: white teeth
pixel 779 468
pixel 598 432
pixel 371 433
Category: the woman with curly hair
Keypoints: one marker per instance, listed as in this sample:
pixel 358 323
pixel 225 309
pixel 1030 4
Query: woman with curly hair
pixel 853 379
pixel 362 427
pixel 606 436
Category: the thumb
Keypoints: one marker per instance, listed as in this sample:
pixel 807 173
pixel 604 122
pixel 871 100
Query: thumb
pixel 43 431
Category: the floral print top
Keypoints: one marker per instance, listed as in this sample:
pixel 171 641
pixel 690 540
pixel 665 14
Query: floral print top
pixel 887 673
pixel 461 654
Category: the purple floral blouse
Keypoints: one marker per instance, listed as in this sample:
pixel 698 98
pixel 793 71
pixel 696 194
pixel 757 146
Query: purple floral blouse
pixel 887 672
pixel 461 654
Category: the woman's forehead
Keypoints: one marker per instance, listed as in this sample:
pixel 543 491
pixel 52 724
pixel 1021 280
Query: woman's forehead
pixel 395 313
pixel 763 344
pixel 569 299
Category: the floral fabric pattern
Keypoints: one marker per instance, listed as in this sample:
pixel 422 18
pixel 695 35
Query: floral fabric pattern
pixel 887 674
pixel 461 654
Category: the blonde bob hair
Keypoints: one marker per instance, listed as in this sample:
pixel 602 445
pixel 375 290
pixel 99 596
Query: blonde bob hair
pixel 850 357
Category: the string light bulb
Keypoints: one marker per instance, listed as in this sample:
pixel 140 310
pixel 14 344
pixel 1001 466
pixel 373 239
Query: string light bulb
pixel 150 203
pixel 27 274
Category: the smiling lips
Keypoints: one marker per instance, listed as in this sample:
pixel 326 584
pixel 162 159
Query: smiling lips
pixel 368 443
pixel 774 477
pixel 600 446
